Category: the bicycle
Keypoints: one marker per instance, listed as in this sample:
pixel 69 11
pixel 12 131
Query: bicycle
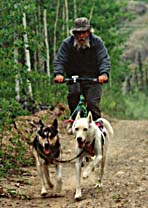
pixel 82 105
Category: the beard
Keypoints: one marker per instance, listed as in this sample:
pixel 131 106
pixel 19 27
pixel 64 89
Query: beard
pixel 78 45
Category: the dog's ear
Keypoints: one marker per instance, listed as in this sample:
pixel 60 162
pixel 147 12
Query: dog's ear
pixel 78 116
pixel 41 123
pixel 41 126
pixel 55 123
pixel 89 117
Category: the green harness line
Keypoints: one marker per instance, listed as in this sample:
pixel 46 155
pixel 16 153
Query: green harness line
pixel 80 107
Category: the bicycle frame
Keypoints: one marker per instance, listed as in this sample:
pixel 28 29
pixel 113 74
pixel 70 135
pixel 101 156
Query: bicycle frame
pixel 81 106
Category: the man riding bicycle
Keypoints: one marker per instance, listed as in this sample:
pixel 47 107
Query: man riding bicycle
pixel 83 54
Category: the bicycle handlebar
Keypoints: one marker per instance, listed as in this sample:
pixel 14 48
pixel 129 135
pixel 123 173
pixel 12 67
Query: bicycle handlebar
pixel 76 78
pixel 79 79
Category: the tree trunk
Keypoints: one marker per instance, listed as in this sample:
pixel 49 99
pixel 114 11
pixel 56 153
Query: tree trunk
pixel 67 17
pixel 40 65
pixel 46 43
pixel 55 29
pixel 63 25
pixel 91 12
pixel 75 9
pixel 17 80
pixel 27 55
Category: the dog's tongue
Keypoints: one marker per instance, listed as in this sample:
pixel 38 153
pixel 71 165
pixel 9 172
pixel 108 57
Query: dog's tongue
pixel 81 144
pixel 46 152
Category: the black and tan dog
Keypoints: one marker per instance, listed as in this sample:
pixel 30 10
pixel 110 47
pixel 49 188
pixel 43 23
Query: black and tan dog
pixel 47 150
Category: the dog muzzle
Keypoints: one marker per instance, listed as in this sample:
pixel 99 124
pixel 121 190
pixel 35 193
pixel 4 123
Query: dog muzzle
pixel 46 148
pixel 81 143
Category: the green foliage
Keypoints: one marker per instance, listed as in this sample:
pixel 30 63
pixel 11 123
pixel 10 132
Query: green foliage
pixel 9 109
pixel 13 156
pixel 113 103
pixel 136 105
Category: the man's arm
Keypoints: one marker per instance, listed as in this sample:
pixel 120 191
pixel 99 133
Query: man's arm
pixel 60 60
pixel 103 61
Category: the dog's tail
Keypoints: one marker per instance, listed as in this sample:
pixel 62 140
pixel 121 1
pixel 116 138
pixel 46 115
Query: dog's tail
pixel 107 125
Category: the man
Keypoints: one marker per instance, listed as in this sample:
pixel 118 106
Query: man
pixel 83 54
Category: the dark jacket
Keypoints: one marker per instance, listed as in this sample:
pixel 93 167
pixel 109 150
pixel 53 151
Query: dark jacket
pixel 89 62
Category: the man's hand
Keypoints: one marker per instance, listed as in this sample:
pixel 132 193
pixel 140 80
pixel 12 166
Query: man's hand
pixel 102 79
pixel 59 78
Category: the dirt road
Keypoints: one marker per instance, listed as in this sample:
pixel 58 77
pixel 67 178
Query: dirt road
pixel 125 179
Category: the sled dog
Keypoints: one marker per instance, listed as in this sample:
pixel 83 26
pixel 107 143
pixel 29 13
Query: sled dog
pixel 91 140
pixel 46 149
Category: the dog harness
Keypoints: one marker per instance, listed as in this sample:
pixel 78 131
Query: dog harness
pixel 90 148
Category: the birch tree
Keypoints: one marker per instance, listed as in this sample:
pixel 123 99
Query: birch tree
pixel 75 8
pixel 55 29
pixel 67 17
pixel 16 54
pixel 39 33
pixel 91 12
pixel 46 42
pixel 27 55
pixel 17 80
pixel 63 17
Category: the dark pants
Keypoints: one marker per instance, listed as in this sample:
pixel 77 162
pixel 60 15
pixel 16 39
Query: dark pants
pixel 92 93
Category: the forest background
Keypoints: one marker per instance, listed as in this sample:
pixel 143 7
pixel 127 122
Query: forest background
pixel 31 32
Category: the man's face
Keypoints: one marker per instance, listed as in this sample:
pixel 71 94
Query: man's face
pixel 82 36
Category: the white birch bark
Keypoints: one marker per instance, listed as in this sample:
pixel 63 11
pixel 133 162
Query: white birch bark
pixel 46 42
pixel 27 54
pixel 35 60
pixel 55 29
pixel 17 76
pixel 39 31
pixel 75 9
pixel 91 12
pixel 67 17
pixel 63 17
pixel 16 54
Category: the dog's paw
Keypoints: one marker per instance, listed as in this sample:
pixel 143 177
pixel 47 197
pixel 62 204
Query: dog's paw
pixel 99 184
pixel 78 196
pixel 43 193
pixel 85 175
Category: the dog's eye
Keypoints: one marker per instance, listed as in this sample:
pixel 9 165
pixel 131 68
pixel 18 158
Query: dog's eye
pixel 76 129
pixel 85 129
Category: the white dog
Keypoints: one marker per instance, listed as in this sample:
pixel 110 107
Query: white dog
pixel 91 141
